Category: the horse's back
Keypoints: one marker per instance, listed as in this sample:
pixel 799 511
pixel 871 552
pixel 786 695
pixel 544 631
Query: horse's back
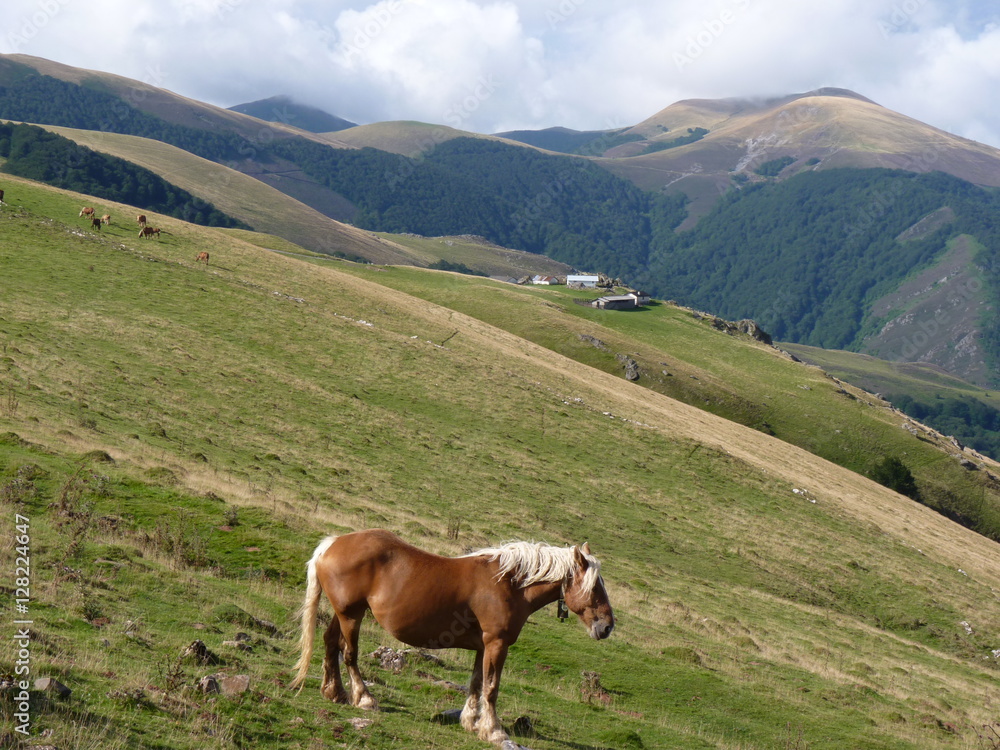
pixel 407 589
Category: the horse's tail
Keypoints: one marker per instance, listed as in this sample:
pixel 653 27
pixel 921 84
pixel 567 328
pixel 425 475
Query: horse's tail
pixel 308 612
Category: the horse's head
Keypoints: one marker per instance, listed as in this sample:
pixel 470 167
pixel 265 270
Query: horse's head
pixel 586 596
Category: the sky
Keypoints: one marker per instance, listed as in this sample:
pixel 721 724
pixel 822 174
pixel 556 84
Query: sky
pixel 490 66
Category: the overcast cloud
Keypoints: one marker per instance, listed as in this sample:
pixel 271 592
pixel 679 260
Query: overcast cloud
pixel 489 66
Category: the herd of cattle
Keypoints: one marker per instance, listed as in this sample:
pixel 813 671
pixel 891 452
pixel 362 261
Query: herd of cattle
pixel 144 229
pixel 95 222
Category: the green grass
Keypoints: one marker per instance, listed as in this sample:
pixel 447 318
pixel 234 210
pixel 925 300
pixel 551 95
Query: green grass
pixel 682 355
pixel 256 405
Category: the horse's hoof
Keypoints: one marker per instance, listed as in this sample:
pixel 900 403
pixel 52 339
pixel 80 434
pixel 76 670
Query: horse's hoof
pixel 368 703
pixel 335 696
pixel 497 736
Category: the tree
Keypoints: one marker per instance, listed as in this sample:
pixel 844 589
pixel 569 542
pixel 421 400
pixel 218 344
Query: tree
pixel 892 473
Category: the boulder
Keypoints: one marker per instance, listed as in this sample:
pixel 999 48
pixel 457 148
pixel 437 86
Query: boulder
pixel 52 685
pixel 234 685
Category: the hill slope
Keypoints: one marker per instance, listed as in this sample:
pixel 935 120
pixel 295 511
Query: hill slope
pixel 183 435
pixel 776 152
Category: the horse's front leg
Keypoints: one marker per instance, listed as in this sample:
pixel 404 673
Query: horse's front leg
pixel 488 726
pixel 470 713
pixel 360 697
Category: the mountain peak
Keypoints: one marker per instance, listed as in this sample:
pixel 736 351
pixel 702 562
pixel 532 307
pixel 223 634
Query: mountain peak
pixel 284 109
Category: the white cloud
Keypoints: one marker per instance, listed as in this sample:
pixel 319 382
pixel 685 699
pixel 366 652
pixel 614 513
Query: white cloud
pixel 488 65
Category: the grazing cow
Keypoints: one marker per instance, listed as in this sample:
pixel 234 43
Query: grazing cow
pixel 95 223
pixel 141 218
pixel 106 219
pixel 202 256
pixel 149 232
pixel 87 211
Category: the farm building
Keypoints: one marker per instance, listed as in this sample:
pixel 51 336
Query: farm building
pixel 584 280
pixel 549 280
pixel 616 302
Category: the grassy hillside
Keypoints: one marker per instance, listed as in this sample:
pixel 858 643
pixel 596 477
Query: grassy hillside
pixel 952 406
pixel 275 213
pixel 181 435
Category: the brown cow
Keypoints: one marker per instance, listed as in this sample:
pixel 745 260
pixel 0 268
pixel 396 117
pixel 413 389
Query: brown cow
pixel 106 219
pixel 149 232
pixel 95 223
pixel 202 256
pixel 141 218
pixel 87 211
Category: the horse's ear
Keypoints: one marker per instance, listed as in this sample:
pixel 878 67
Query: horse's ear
pixel 586 548
pixel 578 556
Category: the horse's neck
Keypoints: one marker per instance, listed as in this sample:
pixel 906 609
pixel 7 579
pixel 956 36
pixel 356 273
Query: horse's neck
pixel 539 594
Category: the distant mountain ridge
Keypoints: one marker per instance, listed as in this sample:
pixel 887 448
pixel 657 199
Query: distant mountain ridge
pixel 657 204
pixel 286 110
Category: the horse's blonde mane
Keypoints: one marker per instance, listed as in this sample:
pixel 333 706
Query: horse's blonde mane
pixel 529 563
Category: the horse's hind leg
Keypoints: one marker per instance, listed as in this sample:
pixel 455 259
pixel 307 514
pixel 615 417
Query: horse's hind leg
pixel 333 686
pixel 351 627
pixel 470 713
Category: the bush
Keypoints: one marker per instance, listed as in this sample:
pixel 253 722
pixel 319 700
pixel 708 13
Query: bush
pixel 892 473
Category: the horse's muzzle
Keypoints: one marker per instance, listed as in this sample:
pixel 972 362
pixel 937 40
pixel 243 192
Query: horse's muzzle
pixel 601 629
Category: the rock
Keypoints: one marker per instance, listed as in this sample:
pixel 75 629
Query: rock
pixel 451 716
pixel 200 653
pixel 523 727
pixel 233 614
pixel 631 367
pixel 208 684
pixel 754 331
pixel 240 645
pixel 360 723
pixel 52 685
pixel 594 341
pixel 234 685
pixel 390 659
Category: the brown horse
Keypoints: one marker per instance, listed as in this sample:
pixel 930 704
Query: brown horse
pixel 479 602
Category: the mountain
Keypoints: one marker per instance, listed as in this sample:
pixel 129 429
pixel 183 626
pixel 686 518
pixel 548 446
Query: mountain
pixel 822 215
pixel 822 129
pixel 176 437
pixel 285 110
pixel 561 140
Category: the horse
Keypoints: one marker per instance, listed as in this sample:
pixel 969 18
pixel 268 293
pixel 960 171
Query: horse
pixel 202 257
pixel 141 219
pixel 87 211
pixel 479 601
